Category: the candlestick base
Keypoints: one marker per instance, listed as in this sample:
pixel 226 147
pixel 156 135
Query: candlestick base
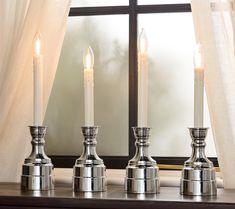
pixel 37 170
pixel 142 171
pixel 198 174
pixel 89 169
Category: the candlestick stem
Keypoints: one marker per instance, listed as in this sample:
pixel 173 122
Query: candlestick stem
pixel 198 174
pixel 89 169
pixel 37 170
pixel 142 170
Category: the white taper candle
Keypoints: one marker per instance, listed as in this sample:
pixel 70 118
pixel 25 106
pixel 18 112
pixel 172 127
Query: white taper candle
pixel 198 88
pixel 37 82
pixel 88 61
pixel 142 80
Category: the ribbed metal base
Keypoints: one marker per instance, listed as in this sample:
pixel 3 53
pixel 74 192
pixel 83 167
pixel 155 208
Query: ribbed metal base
pixel 198 182
pixel 142 180
pixel 37 177
pixel 89 178
pixel 200 188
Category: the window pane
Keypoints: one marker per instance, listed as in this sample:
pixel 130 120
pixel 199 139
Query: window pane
pixel 171 44
pixel 95 3
pixel 108 36
pixel 145 2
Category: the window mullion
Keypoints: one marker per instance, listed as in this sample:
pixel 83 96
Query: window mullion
pixel 133 77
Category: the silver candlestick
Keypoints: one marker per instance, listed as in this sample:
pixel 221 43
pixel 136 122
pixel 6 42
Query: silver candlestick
pixel 37 170
pixel 89 169
pixel 142 171
pixel 198 174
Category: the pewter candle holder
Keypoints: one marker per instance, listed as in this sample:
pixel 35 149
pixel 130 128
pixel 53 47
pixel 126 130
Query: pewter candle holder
pixel 198 174
pixel 142 171
pixel 37 170
pixel 89 169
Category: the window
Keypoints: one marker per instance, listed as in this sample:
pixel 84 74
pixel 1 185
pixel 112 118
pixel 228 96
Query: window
pixel 112 30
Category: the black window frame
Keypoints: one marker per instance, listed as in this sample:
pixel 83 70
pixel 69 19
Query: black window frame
pixel 133 9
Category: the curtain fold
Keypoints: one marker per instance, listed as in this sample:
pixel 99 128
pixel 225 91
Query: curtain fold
pixel 214 27
pixel 19 22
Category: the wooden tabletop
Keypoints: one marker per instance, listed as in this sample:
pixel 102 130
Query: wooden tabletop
pixel 115 198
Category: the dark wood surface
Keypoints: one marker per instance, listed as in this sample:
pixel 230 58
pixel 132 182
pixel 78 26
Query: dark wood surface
pixel 115 198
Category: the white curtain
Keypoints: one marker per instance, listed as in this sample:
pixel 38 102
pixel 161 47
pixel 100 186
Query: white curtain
pixel 214 26
pixel 19 22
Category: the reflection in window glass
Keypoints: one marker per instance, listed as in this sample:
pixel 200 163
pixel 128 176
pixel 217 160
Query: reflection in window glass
pixel 108 36
pixel 171 44
pixel 145 2
pixel 95 3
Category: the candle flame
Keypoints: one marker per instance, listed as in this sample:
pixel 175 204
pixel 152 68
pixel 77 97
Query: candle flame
pixel 88 58
pixel 142 42
pixel 37 45
pixel 198 58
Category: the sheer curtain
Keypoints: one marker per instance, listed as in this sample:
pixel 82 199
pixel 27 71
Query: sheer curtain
pixel 19 21
pixel 214 26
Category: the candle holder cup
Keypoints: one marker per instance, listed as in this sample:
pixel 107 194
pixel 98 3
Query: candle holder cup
pixel 142 171
pixel 89 169
pixel 198 174
pixel 37 170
